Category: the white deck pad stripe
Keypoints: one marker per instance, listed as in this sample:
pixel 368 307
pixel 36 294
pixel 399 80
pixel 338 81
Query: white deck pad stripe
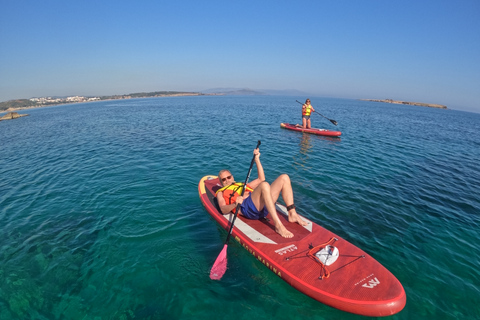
pixel 253 234
pixel 256 236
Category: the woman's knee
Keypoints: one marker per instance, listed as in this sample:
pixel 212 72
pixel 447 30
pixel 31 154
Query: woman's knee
pixel 284 177
pixel 264 185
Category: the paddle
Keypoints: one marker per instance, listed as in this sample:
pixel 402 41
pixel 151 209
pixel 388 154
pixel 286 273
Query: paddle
pixel 332 121
pixel 220 265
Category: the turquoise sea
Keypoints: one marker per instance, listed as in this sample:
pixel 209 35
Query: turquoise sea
pixel 100 216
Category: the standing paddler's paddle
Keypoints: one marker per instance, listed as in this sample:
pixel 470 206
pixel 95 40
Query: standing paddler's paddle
pixel 332 121
pixel 220 265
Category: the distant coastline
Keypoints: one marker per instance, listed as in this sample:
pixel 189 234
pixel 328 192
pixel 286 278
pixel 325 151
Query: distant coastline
pixel 21 104
pixel 421 104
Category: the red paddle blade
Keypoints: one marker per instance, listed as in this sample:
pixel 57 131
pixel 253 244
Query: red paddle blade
pixel 220 265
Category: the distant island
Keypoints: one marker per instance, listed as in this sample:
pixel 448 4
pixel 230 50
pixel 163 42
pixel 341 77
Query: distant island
pixel 20 104
pixel 431 105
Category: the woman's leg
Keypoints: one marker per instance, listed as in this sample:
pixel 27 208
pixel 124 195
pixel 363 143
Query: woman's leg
pixel 262 198
pixel 284 185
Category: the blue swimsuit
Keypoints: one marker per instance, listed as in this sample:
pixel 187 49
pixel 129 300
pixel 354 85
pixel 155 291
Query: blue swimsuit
pixel 250 211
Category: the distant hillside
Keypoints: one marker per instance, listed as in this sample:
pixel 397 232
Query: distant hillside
pixel 148 95
pixel 233 91
pixel 246 91
pixel 287 92
pixel 17 104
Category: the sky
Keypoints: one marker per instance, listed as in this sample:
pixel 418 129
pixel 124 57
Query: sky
pixel 423 51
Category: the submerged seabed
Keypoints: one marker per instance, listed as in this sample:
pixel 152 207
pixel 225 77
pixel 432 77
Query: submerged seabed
pixel 100 216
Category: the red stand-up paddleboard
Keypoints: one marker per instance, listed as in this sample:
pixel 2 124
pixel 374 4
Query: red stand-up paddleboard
pixel 315 261
pixel 320 132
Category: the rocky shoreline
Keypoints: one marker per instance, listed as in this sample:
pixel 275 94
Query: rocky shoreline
pixel 12 115
pixel 421 104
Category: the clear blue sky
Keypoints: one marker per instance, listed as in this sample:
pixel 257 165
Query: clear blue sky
pixel 425 51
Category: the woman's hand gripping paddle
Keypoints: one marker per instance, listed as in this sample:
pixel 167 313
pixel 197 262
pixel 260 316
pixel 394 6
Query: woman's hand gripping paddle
pixel 332 121
pixel 220 265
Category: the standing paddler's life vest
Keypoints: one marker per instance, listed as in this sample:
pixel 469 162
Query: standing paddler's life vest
pixel 308 110
pixel 231 192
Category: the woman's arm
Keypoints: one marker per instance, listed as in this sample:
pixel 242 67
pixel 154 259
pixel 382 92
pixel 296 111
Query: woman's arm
pixel 261 174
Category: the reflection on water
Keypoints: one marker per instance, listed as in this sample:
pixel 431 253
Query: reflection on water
pixel 305 144
pixel 301 158
pixel 333 140
pixel 308 143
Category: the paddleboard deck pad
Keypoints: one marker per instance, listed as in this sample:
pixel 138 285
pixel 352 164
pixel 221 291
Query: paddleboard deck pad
pixel 320 132
pixel 315 261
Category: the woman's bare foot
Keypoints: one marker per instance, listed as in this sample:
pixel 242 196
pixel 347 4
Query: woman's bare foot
pixel 294 217
pixel 281 230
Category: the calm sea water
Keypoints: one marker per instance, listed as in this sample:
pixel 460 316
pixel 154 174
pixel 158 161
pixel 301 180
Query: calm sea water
pixel 100 216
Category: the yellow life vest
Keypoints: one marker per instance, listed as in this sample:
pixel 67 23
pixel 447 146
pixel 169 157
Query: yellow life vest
pixel 308 110
pixel 231 192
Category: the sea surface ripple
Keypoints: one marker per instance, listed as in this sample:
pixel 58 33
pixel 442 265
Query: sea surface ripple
pixel 100 216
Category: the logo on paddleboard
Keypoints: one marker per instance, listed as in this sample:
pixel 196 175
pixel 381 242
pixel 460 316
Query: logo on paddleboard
pixel 285 250
pixel 372 283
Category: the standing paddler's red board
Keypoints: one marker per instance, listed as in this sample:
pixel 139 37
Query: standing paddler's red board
pixel 354 282
pixel 320 132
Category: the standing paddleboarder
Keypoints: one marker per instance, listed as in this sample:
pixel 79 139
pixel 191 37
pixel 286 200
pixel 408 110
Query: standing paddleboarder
pixel 307 110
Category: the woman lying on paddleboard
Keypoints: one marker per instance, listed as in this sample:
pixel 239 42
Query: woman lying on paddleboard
pixel 259 197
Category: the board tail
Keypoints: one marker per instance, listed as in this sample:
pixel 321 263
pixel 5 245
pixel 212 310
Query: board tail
pixel 220 265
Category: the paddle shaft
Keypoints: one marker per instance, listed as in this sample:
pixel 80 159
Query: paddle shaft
pixel 332 121
pixel 243 191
